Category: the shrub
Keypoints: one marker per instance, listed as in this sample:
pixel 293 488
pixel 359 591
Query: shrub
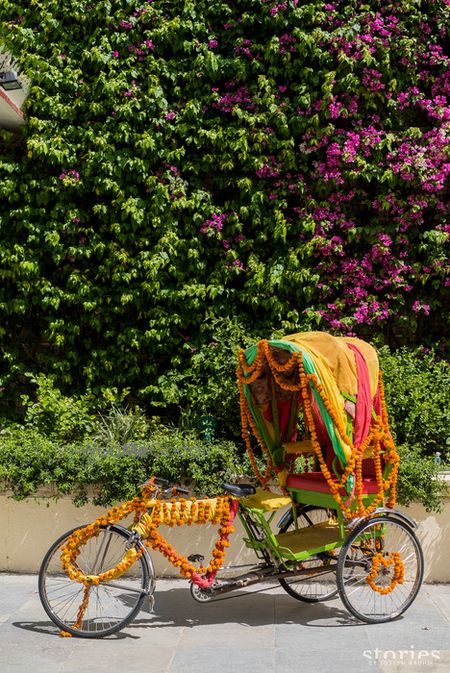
pixel 418 399
pixel 182 457
pixel 29 460
pixel 56 415
pixel 418 480
pixel 208 387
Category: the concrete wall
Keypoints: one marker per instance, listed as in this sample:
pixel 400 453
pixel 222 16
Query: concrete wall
pixel 30 526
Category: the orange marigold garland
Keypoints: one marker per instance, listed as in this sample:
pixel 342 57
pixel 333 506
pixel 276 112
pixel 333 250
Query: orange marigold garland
pixel 398 576
pixel 375 438
pixel 157 512
pixel 246 420
pixel 81 611
pixel 224 515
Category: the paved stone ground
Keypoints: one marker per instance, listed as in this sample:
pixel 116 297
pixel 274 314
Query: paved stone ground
pixel 259 632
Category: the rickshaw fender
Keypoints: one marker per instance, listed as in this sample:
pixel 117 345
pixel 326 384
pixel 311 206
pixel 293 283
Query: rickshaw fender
pixel 393 513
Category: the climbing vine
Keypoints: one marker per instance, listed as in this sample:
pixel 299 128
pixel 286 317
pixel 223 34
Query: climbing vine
pixel 284 163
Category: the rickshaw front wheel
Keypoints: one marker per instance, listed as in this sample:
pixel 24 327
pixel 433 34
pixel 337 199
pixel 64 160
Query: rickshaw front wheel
pixel 109 605
pixel 380 569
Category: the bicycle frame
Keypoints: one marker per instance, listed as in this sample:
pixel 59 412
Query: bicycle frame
pixel 277 561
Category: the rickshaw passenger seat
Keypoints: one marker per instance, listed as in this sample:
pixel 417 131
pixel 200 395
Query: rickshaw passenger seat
pixel 315 480
pixel 239 490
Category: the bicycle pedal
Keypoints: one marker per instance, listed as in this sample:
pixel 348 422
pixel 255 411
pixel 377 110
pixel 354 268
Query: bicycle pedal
pixel 196 558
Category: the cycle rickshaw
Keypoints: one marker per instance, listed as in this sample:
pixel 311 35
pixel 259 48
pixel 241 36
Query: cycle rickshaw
pixel 314 404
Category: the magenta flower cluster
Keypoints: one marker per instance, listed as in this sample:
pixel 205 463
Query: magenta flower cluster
pixel 69 175
pixel 340 115
pixel 214 224
pixel 233 97
pixel 213 228
pixel 373 153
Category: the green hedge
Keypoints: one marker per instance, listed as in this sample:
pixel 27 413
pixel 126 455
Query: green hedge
pixel 67 442
pixel 418 397
pixel 29 460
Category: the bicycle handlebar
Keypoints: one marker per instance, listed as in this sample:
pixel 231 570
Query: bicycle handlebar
pixel 161 487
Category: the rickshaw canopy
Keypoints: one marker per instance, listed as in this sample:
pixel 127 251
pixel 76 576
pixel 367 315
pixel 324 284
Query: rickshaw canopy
pixel 334 383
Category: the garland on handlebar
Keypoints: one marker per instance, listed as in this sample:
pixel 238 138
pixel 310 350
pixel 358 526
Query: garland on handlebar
pixel 149 514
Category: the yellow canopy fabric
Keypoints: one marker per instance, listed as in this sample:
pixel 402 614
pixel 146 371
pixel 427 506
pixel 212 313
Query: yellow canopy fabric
pixel 332 357
pixel 336 367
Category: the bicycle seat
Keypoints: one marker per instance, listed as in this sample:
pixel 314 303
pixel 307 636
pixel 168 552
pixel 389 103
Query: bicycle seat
pixel 239 490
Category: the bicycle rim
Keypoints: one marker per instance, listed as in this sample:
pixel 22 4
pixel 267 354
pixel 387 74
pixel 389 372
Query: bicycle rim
pixel 366 576
pixel 318 588
pixel 111 605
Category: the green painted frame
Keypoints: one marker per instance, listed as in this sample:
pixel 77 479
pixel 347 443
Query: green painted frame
pixel 270 542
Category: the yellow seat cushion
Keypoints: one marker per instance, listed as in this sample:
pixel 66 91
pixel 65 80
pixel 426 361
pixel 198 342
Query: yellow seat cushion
pixel 266 500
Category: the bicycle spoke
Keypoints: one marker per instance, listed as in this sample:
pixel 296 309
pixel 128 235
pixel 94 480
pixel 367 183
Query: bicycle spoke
pixel 108 605
pixel 392 572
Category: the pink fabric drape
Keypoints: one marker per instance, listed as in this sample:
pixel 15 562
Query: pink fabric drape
pixel 363 400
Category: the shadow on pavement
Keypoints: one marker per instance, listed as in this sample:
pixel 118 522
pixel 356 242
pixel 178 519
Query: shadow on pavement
pixel 176 608
pixel 49 629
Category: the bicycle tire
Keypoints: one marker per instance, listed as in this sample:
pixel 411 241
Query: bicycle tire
pixel 309 589
pixel 62 608
pixel 380 536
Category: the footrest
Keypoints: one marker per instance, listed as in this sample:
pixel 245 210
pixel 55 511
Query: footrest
pixel 311 539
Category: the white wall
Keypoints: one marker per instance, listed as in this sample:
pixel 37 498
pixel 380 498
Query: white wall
pixel 28 528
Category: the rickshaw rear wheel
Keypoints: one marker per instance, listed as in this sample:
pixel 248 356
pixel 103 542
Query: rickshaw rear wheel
pixel 380 569
pixel 313 589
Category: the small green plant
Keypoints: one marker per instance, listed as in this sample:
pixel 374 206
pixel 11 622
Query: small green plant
pixel 120 426
pixel 418 400
pixel 57 415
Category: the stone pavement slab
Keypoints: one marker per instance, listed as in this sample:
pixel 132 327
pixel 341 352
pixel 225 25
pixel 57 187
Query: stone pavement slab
pixel 248 632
